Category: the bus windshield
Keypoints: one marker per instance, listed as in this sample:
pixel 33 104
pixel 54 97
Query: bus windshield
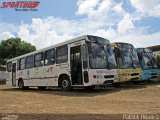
pixel 126 59
pixel 148 61
pixel 101 55
pixel 135 58
pixel 129 58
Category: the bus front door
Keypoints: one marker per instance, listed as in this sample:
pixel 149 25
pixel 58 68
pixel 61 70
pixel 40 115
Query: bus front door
pixel 76 65
pixel 13 74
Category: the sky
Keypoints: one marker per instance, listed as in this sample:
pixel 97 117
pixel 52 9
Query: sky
pixel 132 21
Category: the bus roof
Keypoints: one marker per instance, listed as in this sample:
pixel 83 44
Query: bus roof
pixel 122 43
pixel 144 49
pixel 50 47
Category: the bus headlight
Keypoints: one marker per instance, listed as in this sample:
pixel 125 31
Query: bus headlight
pixel 97 76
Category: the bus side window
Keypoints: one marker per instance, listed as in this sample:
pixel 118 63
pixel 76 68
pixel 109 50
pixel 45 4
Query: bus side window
pixel 62 54
pixel 84 53
pixel 9 66
pixel 38 60
pixel 49 57
pixel 29 62
pixel 22 64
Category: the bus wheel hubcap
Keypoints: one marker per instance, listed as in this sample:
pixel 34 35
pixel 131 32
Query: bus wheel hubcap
pixel 65 83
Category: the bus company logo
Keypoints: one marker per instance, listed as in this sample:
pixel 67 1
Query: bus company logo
pixel 21 5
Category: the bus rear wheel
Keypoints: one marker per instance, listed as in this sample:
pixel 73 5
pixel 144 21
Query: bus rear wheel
pixel 65 84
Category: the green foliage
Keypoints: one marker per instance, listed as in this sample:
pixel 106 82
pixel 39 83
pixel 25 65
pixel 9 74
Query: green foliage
pixel 2 62
pixel 14 47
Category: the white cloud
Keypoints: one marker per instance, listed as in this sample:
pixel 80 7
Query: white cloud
pixel 40 34
pixel 44 32
pixel 105 18
pixel 155 11
pixel 86 6
pixel 110 33
pixel 9 27
pixel 49 31
pixel 105 5
pixel 94 8
pixel 126 24
pixel 6 35
pixel 119 9
pixel 147 7
pixel 140 40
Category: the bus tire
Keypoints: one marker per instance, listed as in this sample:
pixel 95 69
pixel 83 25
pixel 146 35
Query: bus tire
pixel 41 87
pixel 21 84
pixel 65 83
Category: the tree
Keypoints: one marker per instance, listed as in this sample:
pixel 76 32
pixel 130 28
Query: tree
pixel 14 47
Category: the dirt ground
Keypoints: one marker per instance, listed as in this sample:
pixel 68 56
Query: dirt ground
pixel 79 104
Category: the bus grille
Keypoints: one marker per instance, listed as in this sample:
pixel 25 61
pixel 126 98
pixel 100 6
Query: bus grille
pixel 153 73
pixel 109 76
pixel 134 74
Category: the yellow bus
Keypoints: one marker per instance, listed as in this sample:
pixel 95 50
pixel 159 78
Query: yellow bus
pixel 129 68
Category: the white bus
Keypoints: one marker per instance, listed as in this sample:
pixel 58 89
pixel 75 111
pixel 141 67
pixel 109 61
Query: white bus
pixel 86 61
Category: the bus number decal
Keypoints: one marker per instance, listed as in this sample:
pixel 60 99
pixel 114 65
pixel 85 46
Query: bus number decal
pixel 50 69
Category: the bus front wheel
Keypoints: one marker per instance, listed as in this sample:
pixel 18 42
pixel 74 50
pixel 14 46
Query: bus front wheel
pixel 65 83
pixel 21 84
